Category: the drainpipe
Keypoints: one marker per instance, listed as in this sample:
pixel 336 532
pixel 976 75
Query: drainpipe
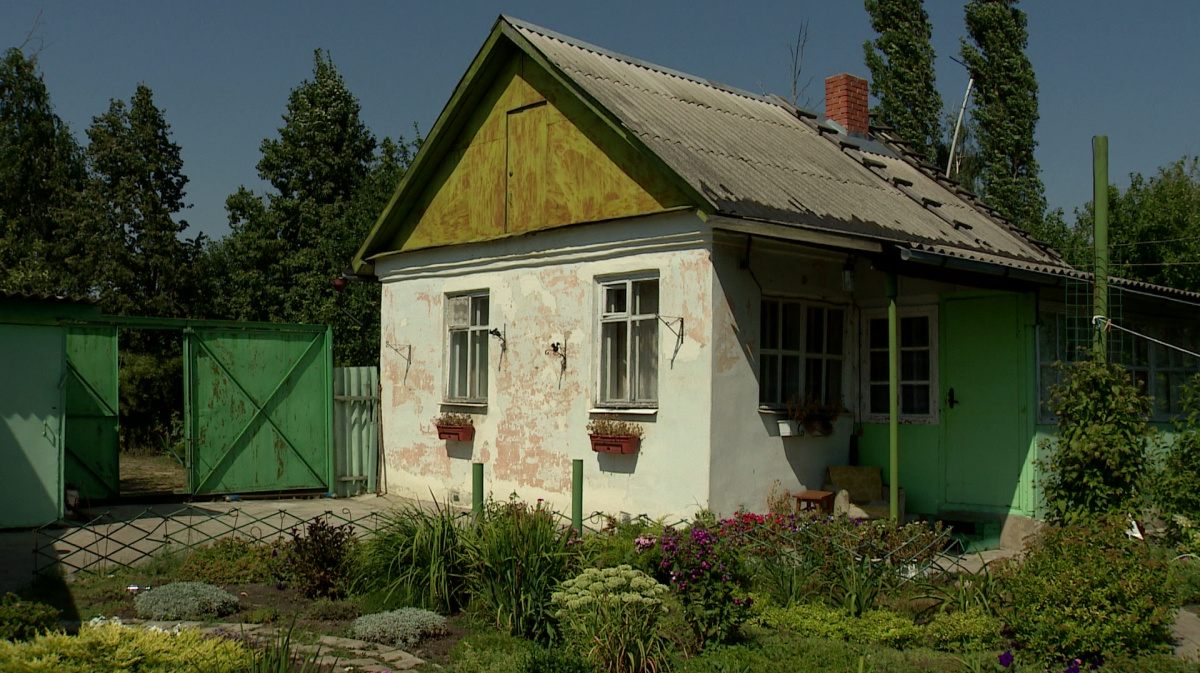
pixel 1100 204
pixel 893 397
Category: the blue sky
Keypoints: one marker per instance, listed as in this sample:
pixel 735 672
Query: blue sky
pixel 222 70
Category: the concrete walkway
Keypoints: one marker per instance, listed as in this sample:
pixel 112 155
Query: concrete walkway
pixel 1187 635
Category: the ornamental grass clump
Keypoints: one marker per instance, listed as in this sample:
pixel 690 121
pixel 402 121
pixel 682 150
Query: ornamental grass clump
pixel 709 576
pixel 185 600
pixel 418 557
pixel 611 616
pixel 402 628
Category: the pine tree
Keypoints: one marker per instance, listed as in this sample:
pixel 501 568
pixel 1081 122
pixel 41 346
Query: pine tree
pixel 41 176
pixel 1005 112
pixel 902 77
pixel 137 192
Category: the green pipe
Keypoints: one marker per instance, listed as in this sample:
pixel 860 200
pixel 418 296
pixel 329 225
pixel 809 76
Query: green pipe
pixel 577 495
pixel 1100 207
pixel 477 488
pixel 893 397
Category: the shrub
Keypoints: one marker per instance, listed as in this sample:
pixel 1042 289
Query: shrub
pixel 634 543
pixel 555 660
pixel 185 600
pixel 1097 461
pixel 231 560
pixel 264 615
pixel 1186 572
pixel 326 610
pixel 813 620
pixel 22 620
pixel 320 561
pixel 418 557
pixel 611 617
pixel 972 630
pixel 403 628
pixel 1176 489
pixel 490 652
pixel 518 555
pixel 1088 591
pixel 104 647
pixel 710 578
pixel 886 628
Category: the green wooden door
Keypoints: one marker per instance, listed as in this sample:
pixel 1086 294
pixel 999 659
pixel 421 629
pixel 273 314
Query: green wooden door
pixel 92 439
pixel 982 355
pixel 259 409
pixel 31 425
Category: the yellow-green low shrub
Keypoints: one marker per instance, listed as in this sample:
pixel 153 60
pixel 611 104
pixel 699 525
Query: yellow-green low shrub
pixel 109 647
pixel 970 631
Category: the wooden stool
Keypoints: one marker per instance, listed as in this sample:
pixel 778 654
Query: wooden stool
pixel 809 500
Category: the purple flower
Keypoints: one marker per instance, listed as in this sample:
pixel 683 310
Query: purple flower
pixel 1074 667
pixel 1006 659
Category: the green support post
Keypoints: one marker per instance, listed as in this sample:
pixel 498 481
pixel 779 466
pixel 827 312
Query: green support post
pixel 477 488
pixel 577 495
pixel 893 397
pixel 1100 203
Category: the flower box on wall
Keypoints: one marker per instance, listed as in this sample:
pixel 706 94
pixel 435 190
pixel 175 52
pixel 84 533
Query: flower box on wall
pixel 461 433
pixel 615 443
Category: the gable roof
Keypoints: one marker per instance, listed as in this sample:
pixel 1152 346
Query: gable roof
pixel 743 156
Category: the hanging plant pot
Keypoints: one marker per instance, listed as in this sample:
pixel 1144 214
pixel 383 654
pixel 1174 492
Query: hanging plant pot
pixel 615 443
pixel 460 433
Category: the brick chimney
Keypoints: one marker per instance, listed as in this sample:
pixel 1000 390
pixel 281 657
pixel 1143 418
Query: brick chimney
pixel 846 102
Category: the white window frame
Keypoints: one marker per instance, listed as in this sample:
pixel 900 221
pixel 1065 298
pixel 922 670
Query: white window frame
pixel 802 352
pixel 474 333
pixel 629 319
pixel 929 312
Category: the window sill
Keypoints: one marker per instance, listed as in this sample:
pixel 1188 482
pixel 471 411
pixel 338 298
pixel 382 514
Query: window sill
pixel 625 411
pixel 904 420
pixel 465 405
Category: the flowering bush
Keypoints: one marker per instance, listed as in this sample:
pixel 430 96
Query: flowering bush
pixel 611 616
pixel 707 572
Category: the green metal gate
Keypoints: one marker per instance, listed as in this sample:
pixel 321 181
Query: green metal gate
pixel 258 408
pixel 92 432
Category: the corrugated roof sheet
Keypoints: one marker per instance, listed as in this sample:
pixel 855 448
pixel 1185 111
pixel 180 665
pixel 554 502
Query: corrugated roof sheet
pixel 754 158
pixel 46 297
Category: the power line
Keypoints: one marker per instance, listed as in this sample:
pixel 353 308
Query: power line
pixel 1133 243
pixel 1108 324
pixel 1183 263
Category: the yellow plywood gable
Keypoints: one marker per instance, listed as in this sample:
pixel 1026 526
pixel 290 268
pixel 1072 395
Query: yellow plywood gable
pixel 531 156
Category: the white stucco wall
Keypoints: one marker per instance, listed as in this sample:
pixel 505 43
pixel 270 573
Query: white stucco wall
pixel 748 454
pixel 543 289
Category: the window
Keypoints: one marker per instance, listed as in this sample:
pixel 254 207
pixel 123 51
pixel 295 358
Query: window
pixel 629 342
pixel 917 364
pixel 1160 371
pixel 801 353
pixel 467 334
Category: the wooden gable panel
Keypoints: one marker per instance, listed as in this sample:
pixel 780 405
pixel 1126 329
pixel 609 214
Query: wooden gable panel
pixel 531 156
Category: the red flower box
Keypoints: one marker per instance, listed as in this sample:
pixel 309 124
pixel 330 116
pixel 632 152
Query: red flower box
pixel 615 443
pixel 460 433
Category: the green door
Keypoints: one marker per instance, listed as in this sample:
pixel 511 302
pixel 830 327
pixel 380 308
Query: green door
pixel 92 446
pixel 31 425
pixel 982 355
pixel 259 409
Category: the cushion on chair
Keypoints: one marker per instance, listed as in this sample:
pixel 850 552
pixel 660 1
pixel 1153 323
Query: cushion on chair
pixel 864 482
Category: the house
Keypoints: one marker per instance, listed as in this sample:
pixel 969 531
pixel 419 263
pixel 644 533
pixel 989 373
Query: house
pixel 584 234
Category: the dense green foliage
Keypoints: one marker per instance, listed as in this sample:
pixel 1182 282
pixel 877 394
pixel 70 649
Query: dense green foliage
pixel 185 600
pixel 1176 483
pixel 611 615
pixel 22 620
pixel 418 557
pixel 1006 110
pixel 1097 462
pixel 233 560
pixel 901 63
pixel 320 559
pixel 1090 592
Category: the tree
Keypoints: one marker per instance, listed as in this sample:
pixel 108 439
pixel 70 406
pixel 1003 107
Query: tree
pixel 330 185
pixel 1005 112
pixel 902 77
pixel 1154 228
pixel 41 176
pixel 136 189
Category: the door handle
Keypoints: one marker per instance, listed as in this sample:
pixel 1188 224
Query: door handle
pixel 951 401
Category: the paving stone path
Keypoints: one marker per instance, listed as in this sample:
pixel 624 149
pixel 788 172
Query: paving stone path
pixel 344 655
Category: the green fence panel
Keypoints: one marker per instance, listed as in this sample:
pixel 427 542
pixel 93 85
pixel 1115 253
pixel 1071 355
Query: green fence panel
pixel 258 409
pixel 32 363
pixel 356 429
pixel 92 427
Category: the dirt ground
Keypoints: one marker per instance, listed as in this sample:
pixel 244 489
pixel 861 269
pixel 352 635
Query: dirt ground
pixel 151 473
